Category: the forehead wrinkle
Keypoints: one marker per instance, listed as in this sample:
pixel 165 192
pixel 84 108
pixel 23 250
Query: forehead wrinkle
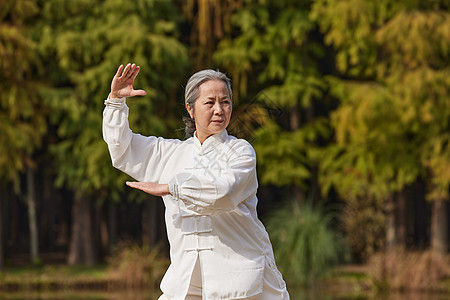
pixel 214 89
pixel 216 96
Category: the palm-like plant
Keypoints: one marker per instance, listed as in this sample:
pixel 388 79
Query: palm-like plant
pixel 305 245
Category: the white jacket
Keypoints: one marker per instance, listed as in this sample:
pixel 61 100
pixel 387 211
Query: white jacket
pixel 210 212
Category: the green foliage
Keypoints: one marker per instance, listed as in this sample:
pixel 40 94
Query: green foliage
pixel 361 89
pixel 275 44
pixel 392 119
pixel 22 113
pixel 85 41
pixel 305 245
pixel 287 157
pixel 373 154
pixel 415 39
pixel 388 88
pixel 349 27
pixel 386 127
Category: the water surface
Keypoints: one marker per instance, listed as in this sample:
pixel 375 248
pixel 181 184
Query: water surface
pixel 149 295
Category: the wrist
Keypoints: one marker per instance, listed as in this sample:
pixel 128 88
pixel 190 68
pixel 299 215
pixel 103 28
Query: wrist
pixel 114 96
pixel 166 189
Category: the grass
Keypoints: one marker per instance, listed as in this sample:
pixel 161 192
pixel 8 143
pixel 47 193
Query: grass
pixel 54 271
pixel 51 277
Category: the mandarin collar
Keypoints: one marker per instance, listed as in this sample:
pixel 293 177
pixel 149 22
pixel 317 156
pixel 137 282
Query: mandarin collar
pixel 211 142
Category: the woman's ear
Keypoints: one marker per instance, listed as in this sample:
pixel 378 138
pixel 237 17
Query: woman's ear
pixel 190 110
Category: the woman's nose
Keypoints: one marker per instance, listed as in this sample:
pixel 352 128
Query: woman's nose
pixel 218 108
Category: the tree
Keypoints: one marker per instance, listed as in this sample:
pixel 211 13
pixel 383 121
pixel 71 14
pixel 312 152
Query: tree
pixel 83 44
pixel 275 42
pixel 392 122
pixel 422 82
pixel 23 112
pixel 208 23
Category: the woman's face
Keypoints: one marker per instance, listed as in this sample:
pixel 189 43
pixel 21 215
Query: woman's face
pixel 212 109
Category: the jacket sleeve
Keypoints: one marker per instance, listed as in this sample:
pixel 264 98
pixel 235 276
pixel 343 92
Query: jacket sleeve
pixel 143 158
pixel 209 195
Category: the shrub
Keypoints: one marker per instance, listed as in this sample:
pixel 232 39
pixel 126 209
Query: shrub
pixel 305 245
pixel 408 271
pixel 363 221
pixel 137 267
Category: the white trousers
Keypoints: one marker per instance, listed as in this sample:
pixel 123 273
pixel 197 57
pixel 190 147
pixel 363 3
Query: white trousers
pixel 271 291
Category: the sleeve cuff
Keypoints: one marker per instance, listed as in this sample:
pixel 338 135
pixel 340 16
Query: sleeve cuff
pixel 115 103
pixel 173 189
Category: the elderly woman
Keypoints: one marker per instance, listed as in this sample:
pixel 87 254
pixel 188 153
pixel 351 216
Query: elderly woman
pixel 219 249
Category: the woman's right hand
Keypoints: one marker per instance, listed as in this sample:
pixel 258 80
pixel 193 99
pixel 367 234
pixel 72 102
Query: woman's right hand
pixel 122 83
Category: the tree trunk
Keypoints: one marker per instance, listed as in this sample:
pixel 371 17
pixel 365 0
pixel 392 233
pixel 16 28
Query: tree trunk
pixel 150 222
pixel 31 202
pixel 47 215
pixel 396 221
pixel 391 234
pixel 81 242
pixel 97 233
pixel 104 235
pixel 401 219
pixel 298 194
pixel 112 226
pixel 146 224
pixel 439 226
pixel 421 215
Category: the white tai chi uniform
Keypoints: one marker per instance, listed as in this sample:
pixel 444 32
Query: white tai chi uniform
pixel 219 249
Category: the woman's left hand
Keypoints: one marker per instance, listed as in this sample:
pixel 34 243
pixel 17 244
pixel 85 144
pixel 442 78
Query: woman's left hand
pixel 152 188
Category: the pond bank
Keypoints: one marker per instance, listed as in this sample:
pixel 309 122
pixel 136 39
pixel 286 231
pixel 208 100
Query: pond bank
pixel 346 282
pixel 98 278
pixel 56 277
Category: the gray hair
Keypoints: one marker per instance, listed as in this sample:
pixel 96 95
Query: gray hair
pixel 192 92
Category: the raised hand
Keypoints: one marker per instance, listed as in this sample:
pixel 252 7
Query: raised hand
pixel 122 83
pixel 151 188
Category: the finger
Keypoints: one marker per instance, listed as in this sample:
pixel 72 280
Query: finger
pixel 138 185
pixel 135 72
pixel 143 186
pixel 126 70
pixel 130 70
pixel 119 71
pixel 138 93
pixel 133 184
